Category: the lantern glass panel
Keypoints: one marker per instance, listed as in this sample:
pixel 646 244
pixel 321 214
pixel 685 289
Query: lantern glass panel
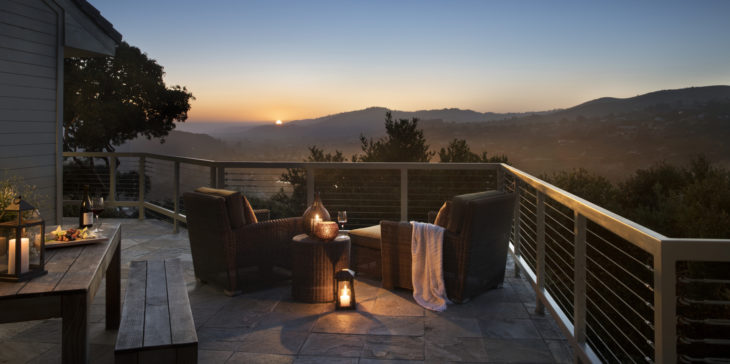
pixel 345 293
pixel 34 234
pixel 6 235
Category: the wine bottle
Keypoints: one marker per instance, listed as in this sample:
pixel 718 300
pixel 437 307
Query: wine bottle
pixel 86 215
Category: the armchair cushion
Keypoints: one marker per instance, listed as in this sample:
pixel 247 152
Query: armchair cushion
pixel 368 237
pixel 234 204
pixel 458 208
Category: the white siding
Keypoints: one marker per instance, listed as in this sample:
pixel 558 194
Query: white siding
pixel 28 80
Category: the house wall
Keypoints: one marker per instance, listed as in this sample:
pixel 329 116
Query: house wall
pixel 30 78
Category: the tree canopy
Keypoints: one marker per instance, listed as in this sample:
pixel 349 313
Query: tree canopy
pixel 458 151
pixel 404 142
pixel 674 200
pixel 109 100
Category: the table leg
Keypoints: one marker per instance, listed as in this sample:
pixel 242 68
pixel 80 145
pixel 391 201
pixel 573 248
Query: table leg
pixel 113 290
pixel 74 328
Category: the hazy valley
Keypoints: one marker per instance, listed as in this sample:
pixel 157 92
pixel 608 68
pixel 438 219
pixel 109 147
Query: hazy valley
pixel 613 137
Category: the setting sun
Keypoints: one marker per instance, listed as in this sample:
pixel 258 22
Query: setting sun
pixel 278 122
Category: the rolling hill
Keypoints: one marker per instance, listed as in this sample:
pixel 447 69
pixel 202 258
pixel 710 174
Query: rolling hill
pixel 611 136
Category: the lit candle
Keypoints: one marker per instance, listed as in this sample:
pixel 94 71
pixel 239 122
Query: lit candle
pixel 345 297
pixel 315 221
pixel 23 256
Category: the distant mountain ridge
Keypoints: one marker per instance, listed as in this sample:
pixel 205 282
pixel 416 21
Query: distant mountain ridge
pixel 664 99
pixel 369 121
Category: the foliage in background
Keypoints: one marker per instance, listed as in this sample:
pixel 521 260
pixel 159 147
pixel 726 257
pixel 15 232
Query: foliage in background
pixel 404 142
pixel 109 100
pixel 691 201
pixel 282 204
pixel 459 152
pixel 590 186
pixel 12 187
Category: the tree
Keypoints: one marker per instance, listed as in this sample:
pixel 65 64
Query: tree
pixel 590 186
pixel 459 152
pixel 281 204
pixel 109 100
pixel 404 142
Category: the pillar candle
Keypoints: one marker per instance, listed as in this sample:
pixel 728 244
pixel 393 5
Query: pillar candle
pixel 345 297
pixel 23 256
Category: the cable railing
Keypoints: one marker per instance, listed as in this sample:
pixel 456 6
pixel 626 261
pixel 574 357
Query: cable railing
pixel 620 292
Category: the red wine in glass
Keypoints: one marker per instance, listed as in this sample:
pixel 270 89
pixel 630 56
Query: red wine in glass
pixel 97 207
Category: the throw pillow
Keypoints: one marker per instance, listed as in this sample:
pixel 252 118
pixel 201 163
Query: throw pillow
pixel 248 212
pixel 442 218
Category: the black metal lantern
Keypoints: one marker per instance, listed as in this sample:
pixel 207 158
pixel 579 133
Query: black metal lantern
pixel 24 241
pixel 345 290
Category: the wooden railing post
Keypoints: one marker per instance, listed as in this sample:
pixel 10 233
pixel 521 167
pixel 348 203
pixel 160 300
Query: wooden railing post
pixel 403 194
pixel 112 180
pixel 579 277
pixel 212 182
pixel 221 178
pixel 141 184
pixel 539 306
pixel 176 192
pixel 310 185
pixel 518 238
pixel 665 305
pixel 500 178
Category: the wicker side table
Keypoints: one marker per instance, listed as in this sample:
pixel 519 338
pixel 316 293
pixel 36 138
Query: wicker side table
pixel 314 263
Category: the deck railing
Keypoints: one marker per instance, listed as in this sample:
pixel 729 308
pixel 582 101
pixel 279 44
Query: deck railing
pixel 611 284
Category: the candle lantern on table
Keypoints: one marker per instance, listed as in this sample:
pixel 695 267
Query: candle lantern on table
pixel 25 242
pixel 314 214
pixel 326 230
pixel 345 290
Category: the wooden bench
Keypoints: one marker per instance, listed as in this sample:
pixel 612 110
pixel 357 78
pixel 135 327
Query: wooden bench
pixel 157 324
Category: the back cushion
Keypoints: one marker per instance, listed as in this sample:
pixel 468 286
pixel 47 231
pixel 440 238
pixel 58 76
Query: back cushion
pixel 234 204
pixel 458 208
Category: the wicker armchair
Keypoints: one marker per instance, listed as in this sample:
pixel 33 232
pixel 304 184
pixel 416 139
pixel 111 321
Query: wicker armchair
pixel 474 250
pixel 230 248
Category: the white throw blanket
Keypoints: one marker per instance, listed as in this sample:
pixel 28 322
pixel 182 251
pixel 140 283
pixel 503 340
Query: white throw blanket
pixel 427 273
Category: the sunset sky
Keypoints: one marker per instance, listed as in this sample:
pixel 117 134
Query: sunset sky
pixel 267 60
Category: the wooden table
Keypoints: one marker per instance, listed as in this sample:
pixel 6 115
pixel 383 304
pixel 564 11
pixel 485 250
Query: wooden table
pixel 314 263
pixel 74 275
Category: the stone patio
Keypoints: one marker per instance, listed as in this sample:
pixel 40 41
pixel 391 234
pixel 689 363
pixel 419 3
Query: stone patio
pixel 268 327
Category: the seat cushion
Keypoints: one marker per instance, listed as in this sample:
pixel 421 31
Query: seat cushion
pixel 234 204
pixel 458 208
pixel 368 237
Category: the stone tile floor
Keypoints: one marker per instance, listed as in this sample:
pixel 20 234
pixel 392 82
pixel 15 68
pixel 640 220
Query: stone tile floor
pixel 266 326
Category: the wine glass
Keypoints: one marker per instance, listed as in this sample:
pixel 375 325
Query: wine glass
pixel 97 207
pixel 342 218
